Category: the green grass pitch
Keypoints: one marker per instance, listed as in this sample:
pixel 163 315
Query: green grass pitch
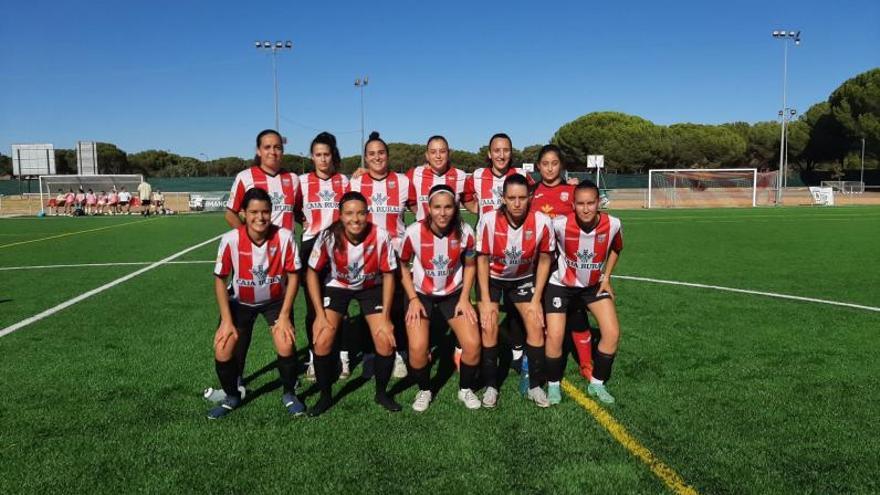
pixel 738 393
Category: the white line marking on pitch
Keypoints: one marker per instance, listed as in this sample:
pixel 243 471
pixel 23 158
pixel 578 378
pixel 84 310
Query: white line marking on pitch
pixel 753 292
pixel 92 265
pixel 70 302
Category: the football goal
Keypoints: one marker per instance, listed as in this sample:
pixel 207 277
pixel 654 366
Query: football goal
pixel 50 184
pixel 708 188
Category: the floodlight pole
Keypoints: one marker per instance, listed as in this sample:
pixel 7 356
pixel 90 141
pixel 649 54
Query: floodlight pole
pixel 362 83
pixel 275 48
pixel 862 175
pixel 785 36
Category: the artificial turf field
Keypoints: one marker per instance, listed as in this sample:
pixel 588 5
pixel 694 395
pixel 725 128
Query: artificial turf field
pixel 736 393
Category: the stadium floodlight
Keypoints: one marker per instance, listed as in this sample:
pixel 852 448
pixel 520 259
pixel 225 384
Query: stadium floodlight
pixel 362 83
pixel 785 36
pixel 274 48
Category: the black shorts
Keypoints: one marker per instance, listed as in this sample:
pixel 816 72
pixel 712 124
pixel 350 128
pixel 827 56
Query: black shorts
pixel 145 202
pixel 444 304
pixel 337 299
pixel 514 291
pixel 244 316
pixel 123 203
pixel 558 299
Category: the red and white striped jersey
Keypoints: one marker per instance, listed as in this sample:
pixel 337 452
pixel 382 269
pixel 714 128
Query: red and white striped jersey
pixel 485 187
pixel 260 271
pixel 423 178
pixel 513 252
pixel 355 266
pixel 386 203
pixel 283 188
pixel 553 200
pixel 582 255
pixel 320 201
pixel 437 262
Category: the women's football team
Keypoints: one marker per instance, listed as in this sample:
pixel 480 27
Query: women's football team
pixel 541 253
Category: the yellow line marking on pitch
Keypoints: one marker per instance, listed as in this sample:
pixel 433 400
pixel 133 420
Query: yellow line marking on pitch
pixel 666 474
pixel 66 234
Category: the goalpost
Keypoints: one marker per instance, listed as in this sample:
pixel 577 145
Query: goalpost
pixel 708 187
pixel 49 184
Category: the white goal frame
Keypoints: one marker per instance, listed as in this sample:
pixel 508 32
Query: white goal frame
pixel 83 179
pixel 754 172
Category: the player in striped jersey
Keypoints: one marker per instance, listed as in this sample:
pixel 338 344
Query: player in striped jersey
pixel 514 247
pixel 553 196
pixel 387 194
pixel 283 189
pixel 361 266
pixel 266 174
pixel 589 243
pixel 436 171
pixel 263 262
pixel 321 191
pixel 482 190
pixel 441 250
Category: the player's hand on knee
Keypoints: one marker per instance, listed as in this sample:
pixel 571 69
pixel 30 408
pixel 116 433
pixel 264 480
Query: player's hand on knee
pixel 415 312
pixel 488 316
pixel 224 332
pixel 535 312
pixel 464 308
pixel 283 329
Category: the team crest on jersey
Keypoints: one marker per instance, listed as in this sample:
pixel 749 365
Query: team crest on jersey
pixel 497 191
pixel 513 255
pixel 440 261
pixel 563 196
pixel 528 235
pixel 392 184
pixel 379 198
pixel 453 242
pixel 601 237
pixel 369 250
pixel 272 250
pixel 327 195
pixel 260 274
pixel 585 256
pixel 285 181
pixel 354 271
pixel 277 199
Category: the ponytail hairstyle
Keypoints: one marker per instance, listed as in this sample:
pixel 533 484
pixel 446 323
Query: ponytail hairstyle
pixel 550 148
pixel 330 141
pixel 455 223
pixel 262 133
pixel 374 136
pixel 336 229
pixel 500 135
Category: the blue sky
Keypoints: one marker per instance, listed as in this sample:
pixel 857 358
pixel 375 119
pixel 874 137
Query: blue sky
pixel 185 76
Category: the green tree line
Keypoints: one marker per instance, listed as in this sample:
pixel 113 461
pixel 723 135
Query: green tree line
pixel 827 136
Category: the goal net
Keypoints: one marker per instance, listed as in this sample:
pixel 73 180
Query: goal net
pixel 50 184
pixel 709 188
pixel 845 186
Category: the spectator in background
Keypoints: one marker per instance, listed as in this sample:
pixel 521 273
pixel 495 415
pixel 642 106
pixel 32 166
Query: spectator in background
pixel 69 200
pixel 113 202
pixel 158 201
pixel 91 202
pixel 124 201
pixel 102 202
pixel 145 193
pixel 57 202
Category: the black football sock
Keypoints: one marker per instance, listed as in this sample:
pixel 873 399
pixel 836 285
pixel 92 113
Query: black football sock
pixel 555 367
pixel 287 368
pixel 467 376
pixel 602 364
pixel 227 372
pixel 537 365
pixel 489 366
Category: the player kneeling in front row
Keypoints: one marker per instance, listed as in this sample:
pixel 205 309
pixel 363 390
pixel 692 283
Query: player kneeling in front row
pixel 263 262
pixel 588 243
pixel 514 247
pixel 362 265
pixel 441 249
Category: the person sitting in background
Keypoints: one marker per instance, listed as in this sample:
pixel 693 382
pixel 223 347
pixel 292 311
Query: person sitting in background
pixel 69 200
pixel 57 202
pixel 158 201
pixel 113 202
pixel 101 203
pixel 91 202
pixel 124 201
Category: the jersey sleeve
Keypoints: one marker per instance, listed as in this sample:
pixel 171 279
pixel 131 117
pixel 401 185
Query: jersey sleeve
pixel 319 257
pixel 470 191
pixel 236 194
pixel 223 266
pixel 617 242
pixel 292 262
pixel 407 251
pixel 387 258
